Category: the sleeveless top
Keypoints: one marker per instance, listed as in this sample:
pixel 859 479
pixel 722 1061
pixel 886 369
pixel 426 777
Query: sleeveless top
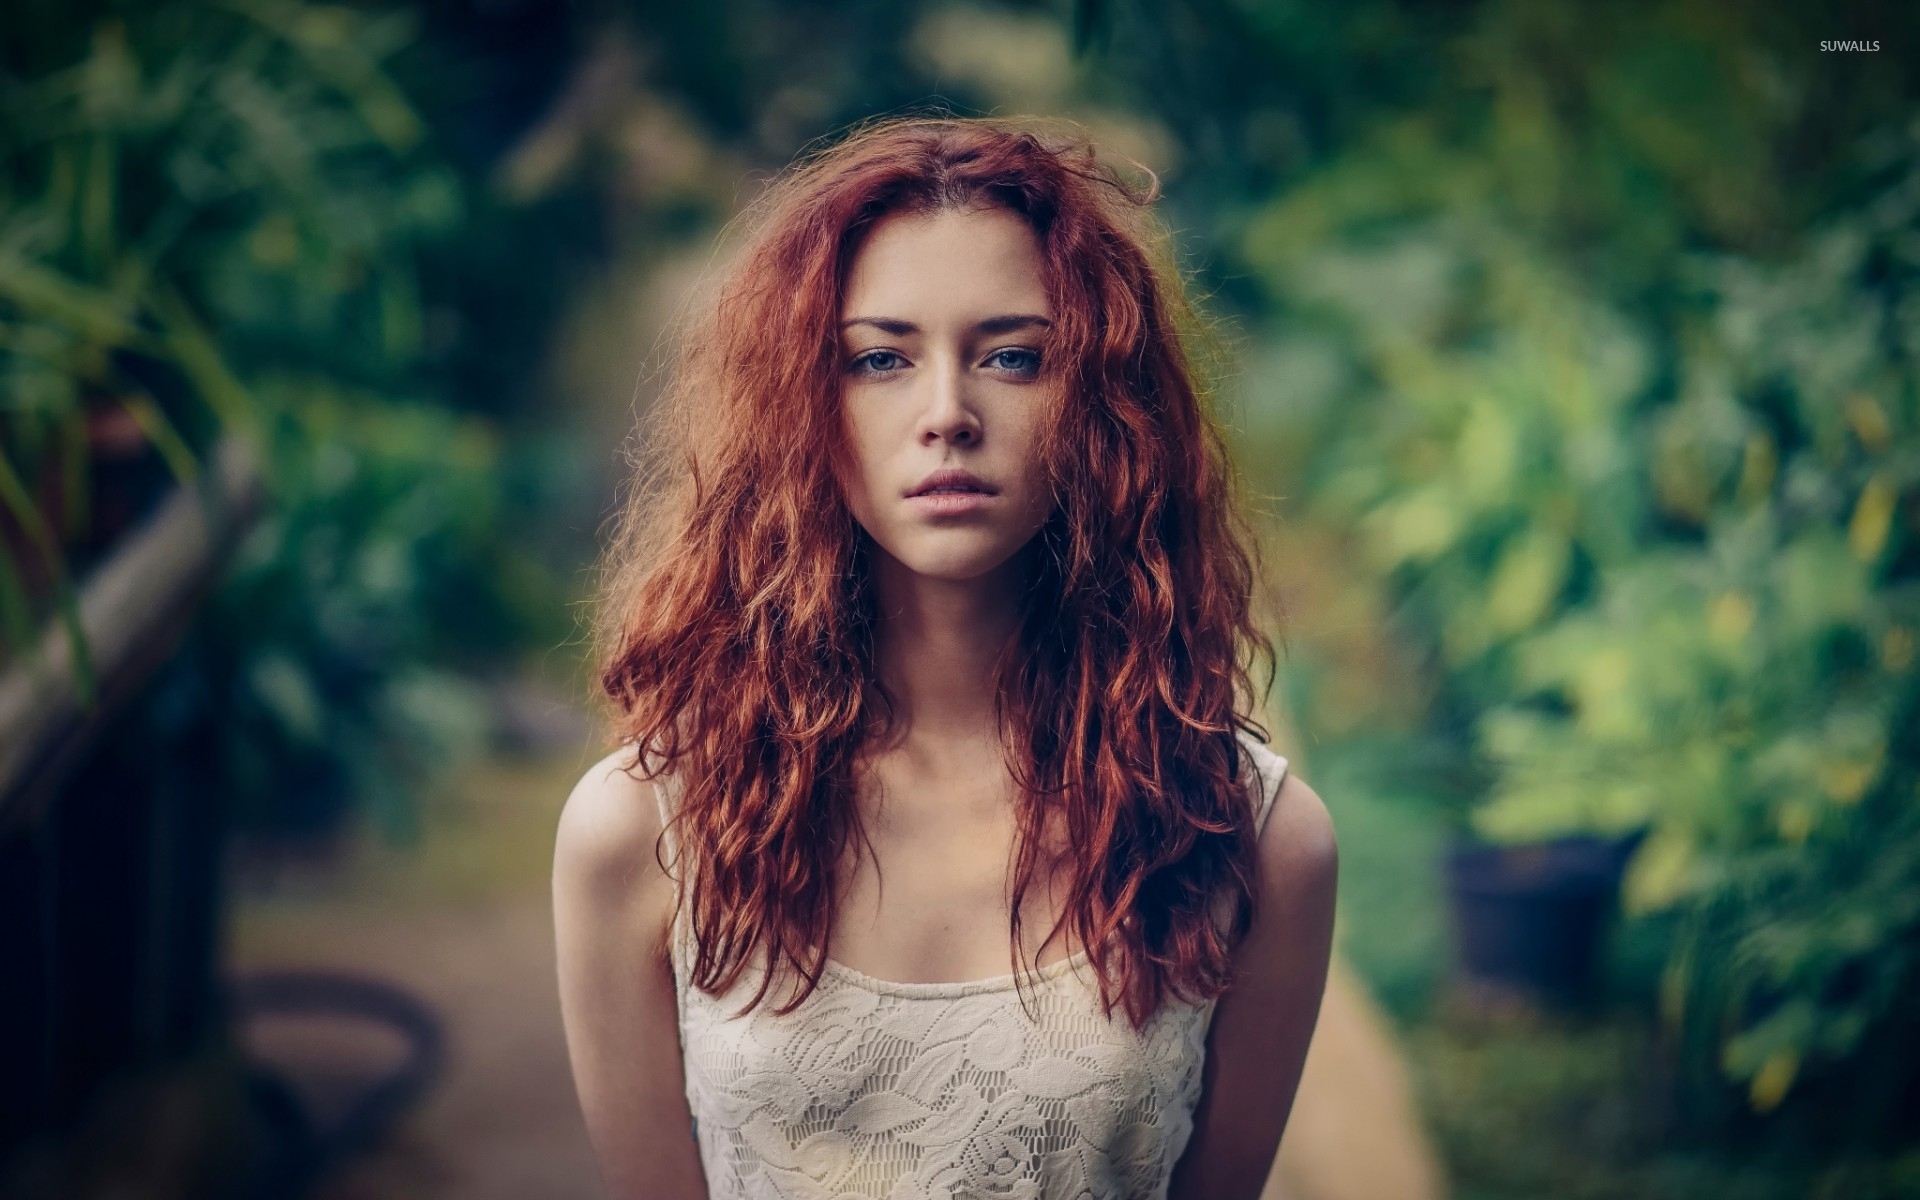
pixel 932 1091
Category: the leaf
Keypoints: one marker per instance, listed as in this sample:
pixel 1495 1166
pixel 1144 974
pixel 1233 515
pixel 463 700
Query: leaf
pixel 200 358
pixel 1821 584
pixel 1773 1079
pixel 165 437
pixel 1413 527
pixel 1661 872
pixel 1872 518
pixel 326 37
pixel 1869 422
pixel 1528 579
pixel 284 687
pixel 1729 618
pixel 1486 453
pixel 97 314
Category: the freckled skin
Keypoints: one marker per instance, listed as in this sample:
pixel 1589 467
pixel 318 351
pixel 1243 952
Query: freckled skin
pixel 948 395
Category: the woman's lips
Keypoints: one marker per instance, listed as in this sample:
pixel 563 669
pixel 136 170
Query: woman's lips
pixel 948 504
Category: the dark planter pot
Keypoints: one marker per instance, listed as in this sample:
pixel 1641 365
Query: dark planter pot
pixel 1531 919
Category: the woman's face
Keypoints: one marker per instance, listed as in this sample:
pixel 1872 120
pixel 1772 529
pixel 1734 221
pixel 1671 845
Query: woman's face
pixel 941 339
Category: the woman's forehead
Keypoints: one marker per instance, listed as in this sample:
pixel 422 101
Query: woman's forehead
pixel 947 260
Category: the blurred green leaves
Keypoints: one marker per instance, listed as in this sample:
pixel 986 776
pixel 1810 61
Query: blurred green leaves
pixel 1616 391
pixel 135 182
pixel 215 216
pixel 342 652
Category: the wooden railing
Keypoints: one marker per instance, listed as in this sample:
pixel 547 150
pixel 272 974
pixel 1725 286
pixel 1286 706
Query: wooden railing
pixel 133 610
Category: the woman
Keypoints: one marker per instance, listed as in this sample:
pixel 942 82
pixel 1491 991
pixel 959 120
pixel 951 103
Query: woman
pixel 931 620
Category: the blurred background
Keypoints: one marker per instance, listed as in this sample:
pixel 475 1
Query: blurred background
pixel 1571 365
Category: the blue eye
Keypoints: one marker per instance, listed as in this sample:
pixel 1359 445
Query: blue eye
pixel 1031 366
pixel 865 364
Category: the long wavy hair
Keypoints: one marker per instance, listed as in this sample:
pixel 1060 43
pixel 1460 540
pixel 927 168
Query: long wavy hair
pixel 734 626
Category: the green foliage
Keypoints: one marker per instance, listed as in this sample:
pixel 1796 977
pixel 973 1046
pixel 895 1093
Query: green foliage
pixel 1575 1111
pixel 1632 443
pixel 205 186
pixel 1746 683
pixel 215 216
pixel 333 654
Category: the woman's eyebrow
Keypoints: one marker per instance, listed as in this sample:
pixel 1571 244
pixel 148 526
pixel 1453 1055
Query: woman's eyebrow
pixel 1013 321
pixel 894 326
pixel 1001 324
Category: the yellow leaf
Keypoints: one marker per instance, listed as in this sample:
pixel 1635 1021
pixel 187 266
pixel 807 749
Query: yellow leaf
pixel 1486 452
pixel 1660 873
pixel 1757 467
pixel 1845 783
pixel 1771 1081
pixel 1682 484
pixel 1603 675
pixel 1730 618
pixel 1414 527
pixel 1896 648
pixel 1872 518
pixel 1869 423
pixel 1527 581
pixel 1607 707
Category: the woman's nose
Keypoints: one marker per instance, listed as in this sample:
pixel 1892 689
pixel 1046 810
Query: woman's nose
pixel 949 414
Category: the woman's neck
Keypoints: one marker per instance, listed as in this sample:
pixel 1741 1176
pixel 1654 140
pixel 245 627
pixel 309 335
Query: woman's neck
pixel 936 646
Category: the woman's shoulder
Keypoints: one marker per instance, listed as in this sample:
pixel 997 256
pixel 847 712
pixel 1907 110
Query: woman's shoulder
pixel 1296 831
pixel 608 829
pixel 1299 853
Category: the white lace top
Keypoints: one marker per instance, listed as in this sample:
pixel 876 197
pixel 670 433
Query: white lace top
pixel 929 1091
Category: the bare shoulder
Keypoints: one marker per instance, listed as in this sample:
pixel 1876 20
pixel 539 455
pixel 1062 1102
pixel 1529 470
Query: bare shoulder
pixel 1299 852
pixel 1297 847
pixel 604 846
pixel 1298 861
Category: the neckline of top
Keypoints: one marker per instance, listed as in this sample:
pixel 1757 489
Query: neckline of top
pixel 954 989
pixel 950 989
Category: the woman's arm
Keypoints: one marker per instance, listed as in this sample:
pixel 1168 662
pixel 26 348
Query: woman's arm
pixel 1257 1044
pixel 612 907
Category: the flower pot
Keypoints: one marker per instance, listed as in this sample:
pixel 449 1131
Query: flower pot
pixel 1531 919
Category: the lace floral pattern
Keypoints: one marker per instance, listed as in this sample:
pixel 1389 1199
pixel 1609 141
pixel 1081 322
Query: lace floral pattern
pixel 925 1091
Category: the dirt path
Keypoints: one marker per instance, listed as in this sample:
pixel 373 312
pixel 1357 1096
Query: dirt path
pixel 465 925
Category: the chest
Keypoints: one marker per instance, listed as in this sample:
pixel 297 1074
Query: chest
pixel 877 1089
pixel 927 897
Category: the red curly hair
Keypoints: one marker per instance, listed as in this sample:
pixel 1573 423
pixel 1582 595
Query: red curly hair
pixel 735 623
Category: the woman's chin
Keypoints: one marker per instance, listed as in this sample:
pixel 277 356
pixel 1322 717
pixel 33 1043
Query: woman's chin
pixel 956 562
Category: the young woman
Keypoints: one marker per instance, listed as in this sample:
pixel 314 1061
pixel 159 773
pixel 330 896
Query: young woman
pixel 949 869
